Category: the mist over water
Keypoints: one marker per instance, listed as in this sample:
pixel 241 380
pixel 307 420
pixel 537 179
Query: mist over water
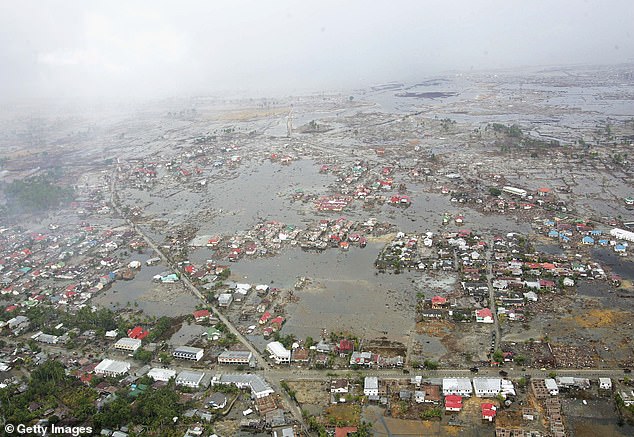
pixel 156 48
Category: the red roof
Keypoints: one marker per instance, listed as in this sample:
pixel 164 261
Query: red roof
pixel 488 410
pixel 485 312
pixel 438 300
pixel 453 401
pixel 344 431
pixel 138 333
pixel 345 345
pixel 201 314
pixel 278 320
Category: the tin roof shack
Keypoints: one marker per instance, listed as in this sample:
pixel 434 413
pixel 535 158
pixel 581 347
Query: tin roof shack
pixel 569 382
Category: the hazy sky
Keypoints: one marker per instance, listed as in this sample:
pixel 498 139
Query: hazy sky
pixel 155 48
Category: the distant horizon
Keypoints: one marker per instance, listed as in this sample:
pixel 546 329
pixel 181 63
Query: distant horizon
pixel 245 93
pixel 159 48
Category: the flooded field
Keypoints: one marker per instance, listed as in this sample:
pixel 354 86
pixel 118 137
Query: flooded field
pixel 343 294
pixel 153 298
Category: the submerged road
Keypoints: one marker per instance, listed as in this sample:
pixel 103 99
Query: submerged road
pixel 188 284
pixel 274 379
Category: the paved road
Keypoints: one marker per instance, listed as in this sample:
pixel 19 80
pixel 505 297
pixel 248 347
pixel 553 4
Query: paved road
pixel 113 186
pixel 275 381
pixel 489 267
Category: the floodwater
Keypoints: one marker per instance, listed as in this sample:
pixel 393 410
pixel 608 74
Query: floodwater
pixel 187 333
pixel 623 267
pixel 344 293
pixel 154 299
pixel 262 192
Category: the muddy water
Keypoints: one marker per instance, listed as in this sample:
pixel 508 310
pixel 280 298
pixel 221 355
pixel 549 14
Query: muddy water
pixel 623 267
pixel 262 192
pixel 154 299
pixel 187 333
pixel 344 294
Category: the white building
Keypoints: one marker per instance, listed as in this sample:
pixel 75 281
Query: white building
pixel 371 386
pixel 45 338
pixel 627 397
pixel 456 386
pixel 278 352
pixel 514 191
pixel 235 357
pixel 551 386
pixel 188 353
pixel 605 383
pixel 18 323
pixel 622 234
pixel 189 378
pixel 164 375
pixel 110 367
pixel 128 344
pixel 225 299
pixel 487 387
pixel 506 388
pixel 258 385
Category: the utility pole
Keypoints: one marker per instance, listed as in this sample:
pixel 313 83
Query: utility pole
pixel 289 123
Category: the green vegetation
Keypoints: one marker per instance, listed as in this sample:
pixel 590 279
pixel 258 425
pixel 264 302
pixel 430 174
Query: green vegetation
pixel 162 326
pixel 286 340
pixel 432 413
pixel 228 340
pixel 430 365
pixel 38 193
pixel 498 356
pixel 142 355
pixel 224 275
pixel 49 387
pixel 512 131
pixel 493 191
pixel 85 319
pixel 288 389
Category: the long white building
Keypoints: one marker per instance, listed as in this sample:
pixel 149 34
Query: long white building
pixel 278 352
pixel 110 367
pixel 158 374
pixel 622 234
pixel 515 191
pixel 457 386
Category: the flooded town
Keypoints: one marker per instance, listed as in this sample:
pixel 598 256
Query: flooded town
pixel 449 257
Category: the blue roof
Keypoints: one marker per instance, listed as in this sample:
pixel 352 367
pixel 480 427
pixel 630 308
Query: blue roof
pixel 588 239
pixel 553 233
pixel 596 232
pixel 619 247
